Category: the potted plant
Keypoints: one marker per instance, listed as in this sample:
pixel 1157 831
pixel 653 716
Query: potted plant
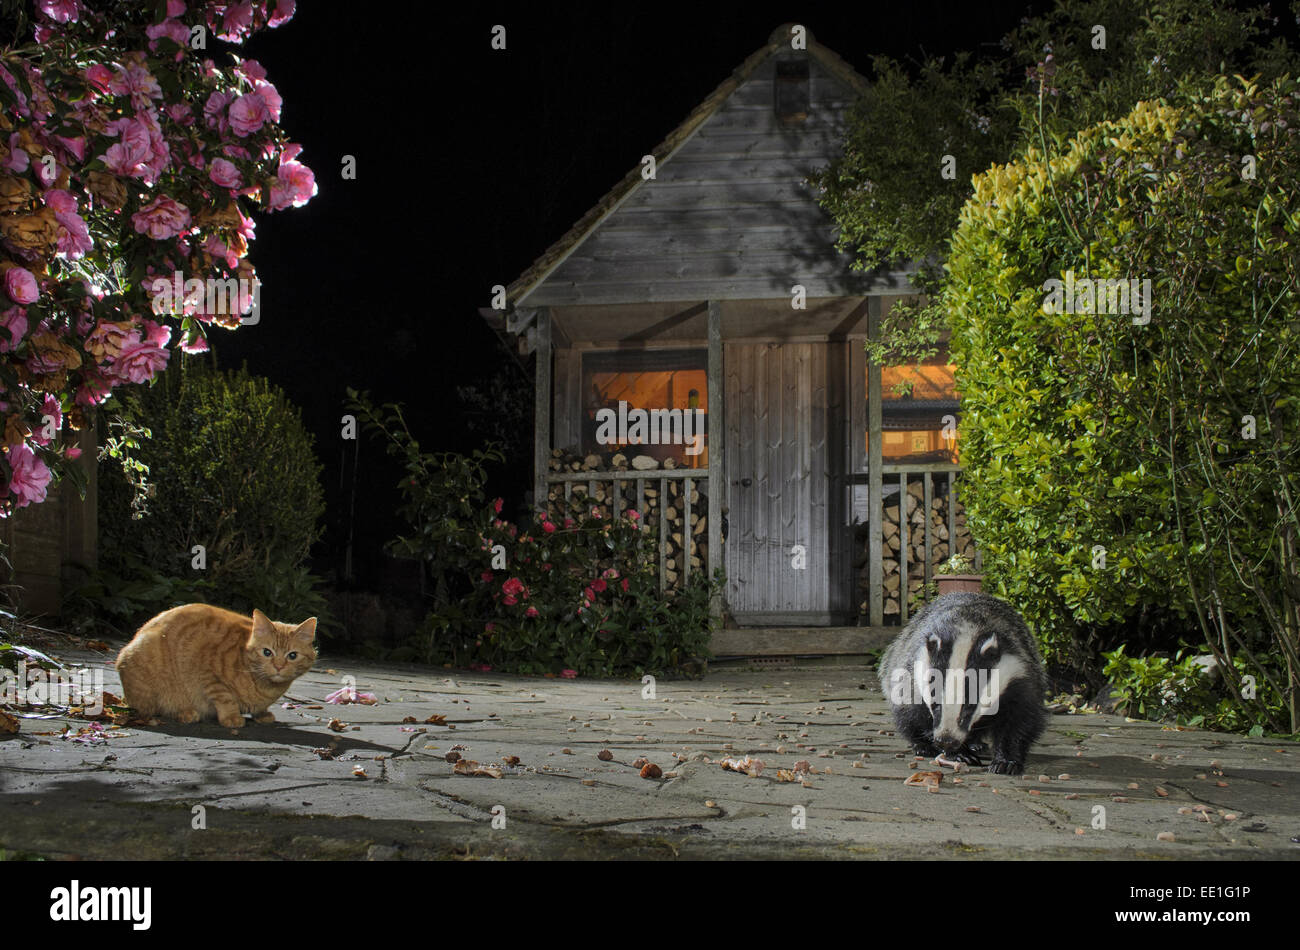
pixel 958 574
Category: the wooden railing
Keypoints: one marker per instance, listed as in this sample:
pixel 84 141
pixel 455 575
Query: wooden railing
pixel 901 473
pixel 694 480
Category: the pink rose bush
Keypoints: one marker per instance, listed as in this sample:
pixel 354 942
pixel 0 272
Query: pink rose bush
pixel 123 141
pixel 574 592
pixel 582 599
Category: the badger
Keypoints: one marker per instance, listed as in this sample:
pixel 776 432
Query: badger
pixel 965 677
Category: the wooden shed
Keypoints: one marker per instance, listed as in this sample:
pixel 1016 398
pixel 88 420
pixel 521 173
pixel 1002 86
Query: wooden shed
pixel 704 292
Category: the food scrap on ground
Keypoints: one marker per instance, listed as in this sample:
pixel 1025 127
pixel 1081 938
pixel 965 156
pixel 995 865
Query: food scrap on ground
pixel 746 766
pixel 924 779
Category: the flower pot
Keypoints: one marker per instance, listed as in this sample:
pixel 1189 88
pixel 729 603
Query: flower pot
pixel 958 583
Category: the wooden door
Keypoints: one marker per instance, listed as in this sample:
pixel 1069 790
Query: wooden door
pixel 783 514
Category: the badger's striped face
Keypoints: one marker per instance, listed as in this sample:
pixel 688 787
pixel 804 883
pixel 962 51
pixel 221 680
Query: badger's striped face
pixel 960 678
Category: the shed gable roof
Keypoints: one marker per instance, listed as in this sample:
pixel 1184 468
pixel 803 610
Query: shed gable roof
pixel 728 215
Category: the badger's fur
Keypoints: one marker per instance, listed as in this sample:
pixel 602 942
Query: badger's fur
pixel 965 677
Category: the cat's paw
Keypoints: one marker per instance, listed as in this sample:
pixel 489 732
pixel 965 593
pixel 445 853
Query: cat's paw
pixel 188 716
pixel 264 716
pixel 231 720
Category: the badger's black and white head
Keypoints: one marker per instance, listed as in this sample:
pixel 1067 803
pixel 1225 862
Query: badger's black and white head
pixel 960 672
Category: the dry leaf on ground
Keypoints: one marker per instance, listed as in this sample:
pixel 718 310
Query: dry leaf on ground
pixel 470 767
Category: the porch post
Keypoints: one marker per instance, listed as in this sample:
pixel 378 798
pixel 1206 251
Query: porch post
pixel 542 409
pixel 717 438
pixel 875 574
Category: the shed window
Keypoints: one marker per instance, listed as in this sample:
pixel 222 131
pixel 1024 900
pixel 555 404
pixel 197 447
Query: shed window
pixel 647 403
pixel 792 96
pixel 912 423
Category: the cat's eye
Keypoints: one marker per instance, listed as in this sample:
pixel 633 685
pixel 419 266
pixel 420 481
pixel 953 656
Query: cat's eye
pixel 293 655
pixel 266 651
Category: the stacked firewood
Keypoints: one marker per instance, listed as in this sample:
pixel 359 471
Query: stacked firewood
pixel 941 545
pixel 687 540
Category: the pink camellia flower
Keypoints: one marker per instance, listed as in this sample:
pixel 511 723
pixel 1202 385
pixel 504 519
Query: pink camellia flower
pixel 485 576
pixel 509 601
pixel 214 110
pixel 599 585
pixel 51 412
pixel 142 359
pixel 99 76
pixel 74 236
pixel 15 321
pixel 180 113
pixel 548 527
pixel 30 476
pixel 174 30
pixel 294 185
pixel 283 13
pixel 271 96
pixel 76 145
pixel 94 390
pixel 632 515
pixel 249 113
pixel 20 285
pixel 135 80
pixel 569 674
pixel 237 21
pixel 224 173
pixel 496 505
pixel 73 452
pixel 349 694
pixel 624 583
pixel 195 342
pixel 531 612
pixel 60 11
pixel 18 161
pixel 162 218
pixel 131 155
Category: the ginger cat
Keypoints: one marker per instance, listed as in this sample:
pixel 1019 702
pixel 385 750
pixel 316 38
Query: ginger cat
pixel 197 661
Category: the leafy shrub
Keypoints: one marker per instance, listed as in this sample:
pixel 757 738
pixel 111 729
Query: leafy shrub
pixel 230 467
pixel 1179 689
pixel 582 595
pixel 1111 470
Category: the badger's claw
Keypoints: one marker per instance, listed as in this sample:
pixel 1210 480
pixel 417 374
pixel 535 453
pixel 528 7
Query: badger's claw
pixel 1006 767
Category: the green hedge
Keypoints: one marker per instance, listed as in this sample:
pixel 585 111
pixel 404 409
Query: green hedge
pixel 1085 431
pixel 229 467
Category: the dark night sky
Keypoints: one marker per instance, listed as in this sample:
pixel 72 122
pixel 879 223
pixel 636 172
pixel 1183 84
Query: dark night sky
pixel 470 163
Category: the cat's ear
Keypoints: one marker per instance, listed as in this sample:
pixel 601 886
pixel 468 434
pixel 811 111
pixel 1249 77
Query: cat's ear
pixel 306 630
pixel 262 622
